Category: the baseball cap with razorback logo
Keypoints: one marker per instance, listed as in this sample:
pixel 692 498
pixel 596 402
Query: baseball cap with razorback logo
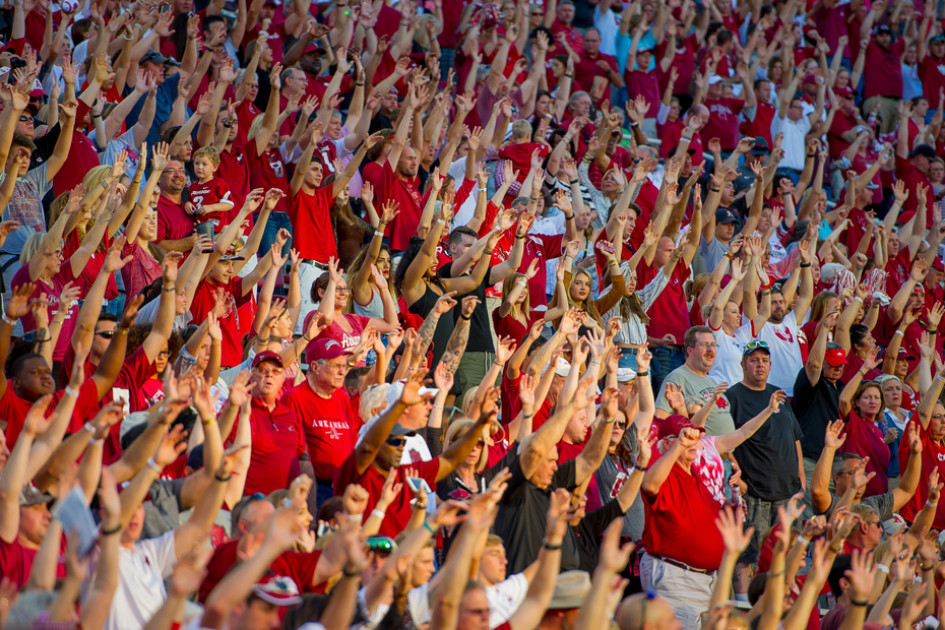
pixel 327 348
pixel 277 590
pixel 835 356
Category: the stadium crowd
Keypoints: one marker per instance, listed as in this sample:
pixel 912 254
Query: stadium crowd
pixel 459 314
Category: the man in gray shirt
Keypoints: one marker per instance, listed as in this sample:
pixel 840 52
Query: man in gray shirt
pixel 716 246
pixel 694 381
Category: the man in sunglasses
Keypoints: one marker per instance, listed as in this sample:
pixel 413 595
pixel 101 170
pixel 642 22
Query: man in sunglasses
pixel 770 459
pixel 381 448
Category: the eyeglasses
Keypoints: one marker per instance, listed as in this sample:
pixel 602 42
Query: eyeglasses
pixel 58 253
pixel 396 441
pixel 621 425
pixel 340 367
pixel 481 443
pixel 707 345
pixel 274 372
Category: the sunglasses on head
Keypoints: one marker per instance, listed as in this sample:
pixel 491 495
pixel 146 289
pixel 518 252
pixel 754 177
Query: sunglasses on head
pixel 381 543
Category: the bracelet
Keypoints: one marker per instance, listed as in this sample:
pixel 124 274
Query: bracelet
pixel 350 574
pixel 527 415
pixel 71 392
pixel 12 322
pixel 377 513
pixel 637 466
pixel 858 299
pixel 930 504
pixel 685 138
pixel 774 575
pixel 940 377
pixel 574 181
pixel 378 233
pixel 549 546
pixel 153 465
pixel 569 217
pixel 104 184
pixel 803 541
pixel 929 567
pixel 96 116
pixel 643 373
pixel 122 331
pixel 461 316
pixel 853 602
pixel 570 76
pixel 811 155
pixel 715 190
pixel 634 125
pixel 359 85
pixel 429 528
pixel 207 421
pixel 766 292
pixel 805 265
pixel 109 532
pixel 837 550
pixel 223 479
pixel 899 332
pixel 882 567
pixel 931 331
pixel 519 237
pixel 88 427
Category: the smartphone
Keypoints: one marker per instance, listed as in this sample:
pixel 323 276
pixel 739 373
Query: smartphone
pixel 419 485
pixel 286 248
pixel 164 8
pixel 205 228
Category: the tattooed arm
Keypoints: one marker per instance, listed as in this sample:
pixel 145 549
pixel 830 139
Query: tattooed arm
pixel 428 327
pixel 457 343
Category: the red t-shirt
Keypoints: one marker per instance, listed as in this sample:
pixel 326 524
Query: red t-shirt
pixel 723 121
pixel 586 70
pixel 913 178
pixel 278 442
pixel 330 425
pixel 884 77
pixel 213 191
pixel 684 60
pixel 267 170
pixel 646 84
pixel 173 222
pixel 671 134
pixel 677 515
pixel 235 172
pixel 932 73
pixel 761 125
pixel 398 514
pixel 16 562
pixel 405 192
pixel 52 291
pixel 866 440
pixel 842 123
pixel 348 340
pixel 933 454
pixel 300 566
pixel 670 312
pixel 311 224
pixel 234 324
pixel 13 409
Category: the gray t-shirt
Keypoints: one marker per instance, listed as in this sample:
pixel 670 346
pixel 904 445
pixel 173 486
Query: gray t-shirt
pixel 692 385
pixel 712 252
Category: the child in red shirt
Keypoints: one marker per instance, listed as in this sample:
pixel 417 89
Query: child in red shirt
pixel 210 196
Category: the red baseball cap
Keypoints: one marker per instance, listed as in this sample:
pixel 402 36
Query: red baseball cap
pixel 326 348
pixel 277 590
pixel 266 355
pixel 675 423
pixel 835 355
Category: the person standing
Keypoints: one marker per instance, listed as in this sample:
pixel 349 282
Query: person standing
pixel 771 460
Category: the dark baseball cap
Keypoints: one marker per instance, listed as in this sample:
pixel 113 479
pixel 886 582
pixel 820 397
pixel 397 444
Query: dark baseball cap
pixel 724 215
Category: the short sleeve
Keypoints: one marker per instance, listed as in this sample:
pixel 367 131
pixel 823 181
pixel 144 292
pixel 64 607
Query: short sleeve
pixel 160 552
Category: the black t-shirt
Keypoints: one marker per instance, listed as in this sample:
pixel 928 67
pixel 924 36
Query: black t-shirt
pixel 480 335
pixel 589 531
pixel 523 513
pixel 815 407
pixel 769 457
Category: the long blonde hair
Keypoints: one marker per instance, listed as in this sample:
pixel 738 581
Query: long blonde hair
pixel 456 429
pixel 507 286
pixel 588 306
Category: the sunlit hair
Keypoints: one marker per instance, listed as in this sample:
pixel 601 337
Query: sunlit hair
pixel 455 431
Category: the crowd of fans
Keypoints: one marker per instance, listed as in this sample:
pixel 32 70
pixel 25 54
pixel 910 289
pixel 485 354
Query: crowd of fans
pixel 458 314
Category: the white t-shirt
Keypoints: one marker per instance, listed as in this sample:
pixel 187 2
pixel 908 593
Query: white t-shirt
pixel 504 599
pixel 784 344
pixel 141 573
pixel 728 357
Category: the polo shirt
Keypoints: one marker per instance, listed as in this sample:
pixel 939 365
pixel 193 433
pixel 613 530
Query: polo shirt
pixel 278 443
pixel 677 521
pixel 173 222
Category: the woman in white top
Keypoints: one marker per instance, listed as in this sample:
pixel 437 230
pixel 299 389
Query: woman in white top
pixel 365 296
pixel 725 320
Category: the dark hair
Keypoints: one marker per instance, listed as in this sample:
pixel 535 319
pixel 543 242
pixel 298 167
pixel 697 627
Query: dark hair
pixel 209 20
pixel 355 374
pixel 169 134
pixel 19 140
pixel 455 235
pixel 320 284
pixel 690 339
pixel 80 29
pixel 723 36
pixel 416 243
pixel 330 507
pixel 858 333
pixel 841 565
pixel 107 317
pixel 16 366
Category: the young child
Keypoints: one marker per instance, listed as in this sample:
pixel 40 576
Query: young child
pixel 209 195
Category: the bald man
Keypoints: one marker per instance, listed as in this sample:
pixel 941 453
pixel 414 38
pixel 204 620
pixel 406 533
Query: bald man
pixel 646 611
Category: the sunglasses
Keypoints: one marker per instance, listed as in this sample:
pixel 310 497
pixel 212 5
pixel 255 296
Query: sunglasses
pixel 107 334
pixel 396 441
pixel 756 345
pixel 228 123
pixel 381 543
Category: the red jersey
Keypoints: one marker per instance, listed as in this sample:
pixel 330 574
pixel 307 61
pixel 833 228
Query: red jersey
pixel 267 170
pixel 330 425
pixel 403 190
pixel 210 192
pixel 234 323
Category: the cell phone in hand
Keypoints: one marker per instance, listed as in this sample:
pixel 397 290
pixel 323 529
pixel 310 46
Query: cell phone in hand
pixel 419 485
